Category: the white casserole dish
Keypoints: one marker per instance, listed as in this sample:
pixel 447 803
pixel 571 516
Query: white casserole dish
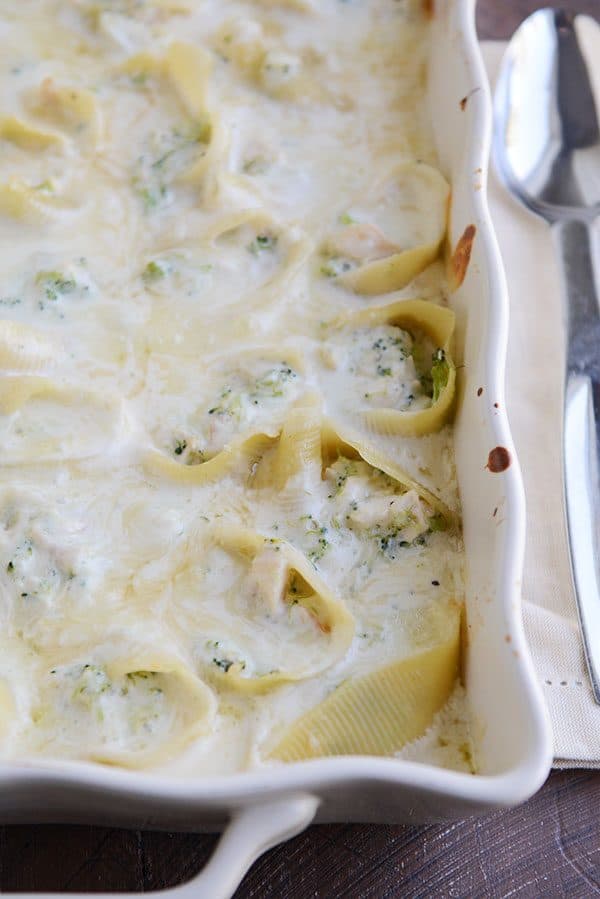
pixel 510 728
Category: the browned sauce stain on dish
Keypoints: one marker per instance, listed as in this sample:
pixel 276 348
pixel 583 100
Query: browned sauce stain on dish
pixel 459 261
pixel 465 100
pixel 465 641
pixel 496 405
pixel 480 391
pixel 507 638
pixel 498 459
pixel 429 8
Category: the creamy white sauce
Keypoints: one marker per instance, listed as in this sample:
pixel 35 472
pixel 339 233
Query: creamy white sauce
pixel 168 291
pixel 375 367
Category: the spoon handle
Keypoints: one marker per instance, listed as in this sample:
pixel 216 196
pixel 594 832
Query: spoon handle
pixel 582 431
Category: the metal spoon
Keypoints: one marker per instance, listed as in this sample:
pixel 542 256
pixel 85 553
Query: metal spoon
pixel 547 151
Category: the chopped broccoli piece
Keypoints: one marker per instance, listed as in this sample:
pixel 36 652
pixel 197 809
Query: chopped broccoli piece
pixel 440 371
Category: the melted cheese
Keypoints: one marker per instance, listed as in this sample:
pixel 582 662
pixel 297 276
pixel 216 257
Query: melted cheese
pixel 193 196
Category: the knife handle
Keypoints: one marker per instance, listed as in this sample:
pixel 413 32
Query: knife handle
pixel 581 434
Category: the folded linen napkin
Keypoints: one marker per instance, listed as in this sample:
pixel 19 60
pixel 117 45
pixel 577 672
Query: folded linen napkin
pixel 534 397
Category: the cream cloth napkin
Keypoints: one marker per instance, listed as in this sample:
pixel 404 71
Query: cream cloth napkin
pixel 534 385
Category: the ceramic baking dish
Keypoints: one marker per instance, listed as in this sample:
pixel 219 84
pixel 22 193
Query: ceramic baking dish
pixel 510 728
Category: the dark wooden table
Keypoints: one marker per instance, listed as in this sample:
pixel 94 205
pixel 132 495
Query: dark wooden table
pixel 549 847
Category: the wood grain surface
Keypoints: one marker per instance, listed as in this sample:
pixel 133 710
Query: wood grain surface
pixel 548 848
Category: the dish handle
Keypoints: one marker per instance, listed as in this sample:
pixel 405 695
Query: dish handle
pixel 251 831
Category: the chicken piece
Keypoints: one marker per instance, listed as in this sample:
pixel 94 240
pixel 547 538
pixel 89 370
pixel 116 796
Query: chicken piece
pixel 267 579
pixel 404 514
pixel 361 241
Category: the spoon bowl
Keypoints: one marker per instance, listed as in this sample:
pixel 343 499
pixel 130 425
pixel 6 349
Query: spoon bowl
pixel 547 132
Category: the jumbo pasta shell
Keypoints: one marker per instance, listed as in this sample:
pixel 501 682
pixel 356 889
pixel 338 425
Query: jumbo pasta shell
pixel 437 322
pixel 380 712
pixel 311 593
pixel 421 192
